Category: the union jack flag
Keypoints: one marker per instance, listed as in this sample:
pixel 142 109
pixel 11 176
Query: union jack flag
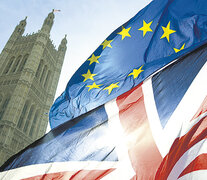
pixel 157 130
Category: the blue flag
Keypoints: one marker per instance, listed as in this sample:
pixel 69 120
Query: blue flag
pixel 154 37
pixel 157 130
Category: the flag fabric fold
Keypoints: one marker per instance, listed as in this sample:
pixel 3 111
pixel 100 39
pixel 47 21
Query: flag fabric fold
pixel 158 34
pixel 136 109
pixel 132 136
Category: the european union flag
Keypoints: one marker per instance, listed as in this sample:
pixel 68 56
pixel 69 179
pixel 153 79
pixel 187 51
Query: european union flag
pixel 154 37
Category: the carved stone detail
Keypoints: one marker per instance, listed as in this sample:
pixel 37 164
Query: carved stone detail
pixel 22 89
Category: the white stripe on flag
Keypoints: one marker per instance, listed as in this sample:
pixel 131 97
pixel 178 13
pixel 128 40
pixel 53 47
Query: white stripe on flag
pixel 41 169
pixel 124 168
pixel 195 175
pixel 164 137
pixel 188 125
pixel 196 150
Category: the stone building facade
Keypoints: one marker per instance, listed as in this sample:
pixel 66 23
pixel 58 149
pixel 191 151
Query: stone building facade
pixel 30 67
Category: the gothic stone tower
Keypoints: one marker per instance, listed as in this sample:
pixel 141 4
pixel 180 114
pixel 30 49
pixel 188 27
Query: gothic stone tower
pixel 30 67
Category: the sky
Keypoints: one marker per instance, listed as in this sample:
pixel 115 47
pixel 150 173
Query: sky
pixel 87 24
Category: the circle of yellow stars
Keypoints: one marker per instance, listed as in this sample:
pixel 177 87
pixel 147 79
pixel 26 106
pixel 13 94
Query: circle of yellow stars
pixel 125 33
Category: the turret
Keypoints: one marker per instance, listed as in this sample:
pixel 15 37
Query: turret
pixel 63 45
pixel 18 31
pixel 20 27
pixel 47 25
pixel 60 58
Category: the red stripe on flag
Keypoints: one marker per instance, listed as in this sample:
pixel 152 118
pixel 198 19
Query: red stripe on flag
pixel 143 152
pixel 82 174
pixel 202 109
pixel 179 147
pixel 182 144
pixel 199 163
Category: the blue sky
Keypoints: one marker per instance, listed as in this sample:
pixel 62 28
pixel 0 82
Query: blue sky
pixel 86 22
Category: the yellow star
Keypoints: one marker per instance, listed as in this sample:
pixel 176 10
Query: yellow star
pixel 106 44
pixel 88 75
pixel 145 28
pixel 93 59
pixel 136 72
pixel 125 32
pixel 167 31
pixel 94 85
pixel 111 87
pixel 177 50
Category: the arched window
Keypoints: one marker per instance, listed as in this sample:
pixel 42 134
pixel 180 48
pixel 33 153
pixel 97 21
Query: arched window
pixel 34 124
pixel 23 114
pixel 43 74
pixel 39 69
pixel 29 118
pixel 15 65
pixel 23 62
pixel 47 79
pixel 3 107
pixel 8 66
